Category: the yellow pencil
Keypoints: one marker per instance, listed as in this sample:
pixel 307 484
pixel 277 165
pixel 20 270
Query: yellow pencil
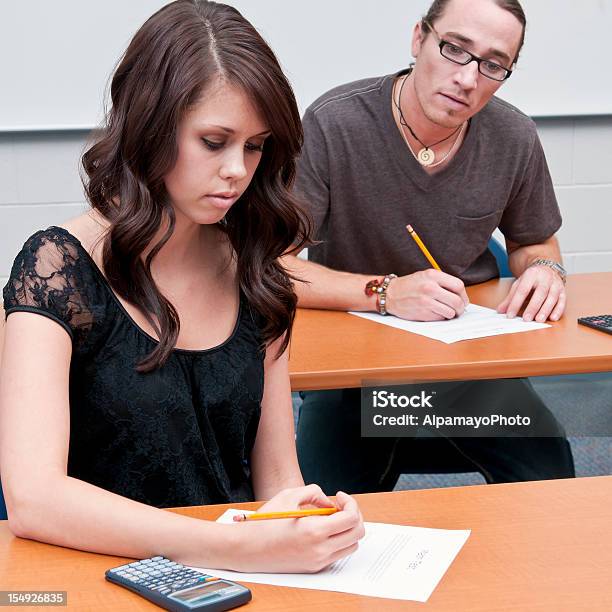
pixel 423 248
pixel 263 516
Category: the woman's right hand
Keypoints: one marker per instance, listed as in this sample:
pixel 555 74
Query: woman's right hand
pixel 302 545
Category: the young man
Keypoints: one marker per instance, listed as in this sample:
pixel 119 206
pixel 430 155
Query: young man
pixel 433 148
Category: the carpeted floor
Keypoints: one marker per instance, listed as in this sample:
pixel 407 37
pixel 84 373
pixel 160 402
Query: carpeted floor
pixel 582 403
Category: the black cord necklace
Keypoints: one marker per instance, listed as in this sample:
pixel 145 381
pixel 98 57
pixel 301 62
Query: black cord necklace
pixel 426 157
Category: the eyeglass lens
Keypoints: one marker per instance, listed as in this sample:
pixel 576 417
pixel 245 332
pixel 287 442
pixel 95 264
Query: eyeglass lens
pixel 461 56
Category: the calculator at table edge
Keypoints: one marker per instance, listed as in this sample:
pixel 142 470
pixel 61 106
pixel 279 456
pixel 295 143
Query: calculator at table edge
pixel 590 322
pixel 209 603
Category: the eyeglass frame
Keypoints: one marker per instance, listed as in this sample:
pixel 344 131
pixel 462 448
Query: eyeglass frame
pixel 473 58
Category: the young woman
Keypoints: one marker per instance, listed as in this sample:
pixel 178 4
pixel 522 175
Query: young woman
pixel 145 349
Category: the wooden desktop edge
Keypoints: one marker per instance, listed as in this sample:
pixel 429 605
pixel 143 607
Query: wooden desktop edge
pixel 587 482
pixel 344 379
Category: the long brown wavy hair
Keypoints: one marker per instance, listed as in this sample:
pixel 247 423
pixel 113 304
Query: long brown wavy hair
pixel 166 67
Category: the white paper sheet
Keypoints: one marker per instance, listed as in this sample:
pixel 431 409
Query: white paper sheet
pixel 393 561
pixel 475 322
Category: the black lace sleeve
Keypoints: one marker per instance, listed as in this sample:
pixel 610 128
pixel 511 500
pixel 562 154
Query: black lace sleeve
pixel 46 278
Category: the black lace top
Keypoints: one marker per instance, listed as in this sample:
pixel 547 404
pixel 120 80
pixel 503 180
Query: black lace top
pixel 178 436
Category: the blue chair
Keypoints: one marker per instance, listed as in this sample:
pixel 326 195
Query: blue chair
pixel 3 514
pixel 499 252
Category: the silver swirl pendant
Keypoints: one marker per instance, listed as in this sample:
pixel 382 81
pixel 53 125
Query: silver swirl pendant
pixel 426 157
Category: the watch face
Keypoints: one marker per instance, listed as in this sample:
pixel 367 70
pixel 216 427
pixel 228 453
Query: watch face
pixel 559 268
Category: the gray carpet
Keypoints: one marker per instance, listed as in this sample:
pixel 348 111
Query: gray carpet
pixel 583 405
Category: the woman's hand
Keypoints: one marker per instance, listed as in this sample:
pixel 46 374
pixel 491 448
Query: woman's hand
pixel 303 545
pixel 298 497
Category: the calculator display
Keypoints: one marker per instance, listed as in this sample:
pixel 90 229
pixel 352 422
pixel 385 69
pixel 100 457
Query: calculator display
pixel 199 592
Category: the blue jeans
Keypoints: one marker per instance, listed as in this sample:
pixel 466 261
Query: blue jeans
pixel 333 454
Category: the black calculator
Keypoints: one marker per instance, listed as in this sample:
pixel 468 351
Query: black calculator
pixel 173 586
pixel 601 322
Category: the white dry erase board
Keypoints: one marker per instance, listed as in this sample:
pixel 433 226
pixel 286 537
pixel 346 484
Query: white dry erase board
pixel 57 55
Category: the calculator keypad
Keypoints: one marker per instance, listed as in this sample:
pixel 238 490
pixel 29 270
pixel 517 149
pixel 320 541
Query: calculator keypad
pixel 601 320
pixel 162 575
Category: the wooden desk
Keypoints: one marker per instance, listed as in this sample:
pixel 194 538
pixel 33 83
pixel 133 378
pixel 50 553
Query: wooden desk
pixel 534 545
pixel 337 350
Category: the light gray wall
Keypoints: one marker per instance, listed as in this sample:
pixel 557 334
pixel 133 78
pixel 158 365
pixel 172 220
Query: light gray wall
pixel 579 153
pixel 40 186
pixel 67 48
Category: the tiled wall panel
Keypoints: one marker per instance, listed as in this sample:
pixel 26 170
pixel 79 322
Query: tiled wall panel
pixel 40 185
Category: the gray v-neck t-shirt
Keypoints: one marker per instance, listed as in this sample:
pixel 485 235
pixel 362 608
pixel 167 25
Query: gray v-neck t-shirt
pixel 362 186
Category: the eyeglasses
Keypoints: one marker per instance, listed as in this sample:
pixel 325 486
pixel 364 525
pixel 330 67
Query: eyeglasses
pixel 456 54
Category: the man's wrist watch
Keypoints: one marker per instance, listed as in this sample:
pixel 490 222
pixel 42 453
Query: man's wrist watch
pixel 551 263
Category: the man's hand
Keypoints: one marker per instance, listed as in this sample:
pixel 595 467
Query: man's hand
pixel 548 299
pixel 429 295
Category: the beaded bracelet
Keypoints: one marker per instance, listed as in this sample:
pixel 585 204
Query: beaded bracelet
pixel 381 302
pixel 379 287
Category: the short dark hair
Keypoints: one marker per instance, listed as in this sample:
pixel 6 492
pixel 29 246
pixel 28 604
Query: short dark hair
pixel 512 6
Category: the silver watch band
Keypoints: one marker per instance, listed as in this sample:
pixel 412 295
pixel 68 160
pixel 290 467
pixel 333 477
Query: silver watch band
pixel 551 263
